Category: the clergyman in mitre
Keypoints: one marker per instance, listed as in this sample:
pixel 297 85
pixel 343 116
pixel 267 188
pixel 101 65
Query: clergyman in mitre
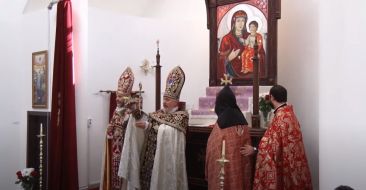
pixel 116 133
pixel 163 164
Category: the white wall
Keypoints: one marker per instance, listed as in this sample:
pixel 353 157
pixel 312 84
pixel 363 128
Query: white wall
pixel 13 121
pixel 117 41
pixel 342 141
pixel 80 37
pixel 103 41
pixel 321 64
pixel 103 50
pixel 319 60
pixel 19 36
pixel 298 65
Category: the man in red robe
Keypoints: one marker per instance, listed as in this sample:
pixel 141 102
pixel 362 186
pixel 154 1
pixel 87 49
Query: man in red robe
pixel 232 127
pixel 281 159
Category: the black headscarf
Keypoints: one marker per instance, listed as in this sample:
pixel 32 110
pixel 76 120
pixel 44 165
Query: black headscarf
pixel 228 112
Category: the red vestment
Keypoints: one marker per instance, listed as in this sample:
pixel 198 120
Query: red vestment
pixel 113 149
pixel 281 160
pixel 238 170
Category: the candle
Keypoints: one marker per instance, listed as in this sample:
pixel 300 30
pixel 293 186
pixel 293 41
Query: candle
pixel 223 148
pixel 41 130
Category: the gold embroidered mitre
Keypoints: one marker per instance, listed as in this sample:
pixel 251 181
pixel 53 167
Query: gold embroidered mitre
pixel 174 83
pixel 125 84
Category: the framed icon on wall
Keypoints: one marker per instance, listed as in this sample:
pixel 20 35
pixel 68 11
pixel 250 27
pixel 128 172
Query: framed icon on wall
pixel 235 27
pixel 40 79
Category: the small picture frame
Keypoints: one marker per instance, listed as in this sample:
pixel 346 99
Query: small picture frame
pixel 40 79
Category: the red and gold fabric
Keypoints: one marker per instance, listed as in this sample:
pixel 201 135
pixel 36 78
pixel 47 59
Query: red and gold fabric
pixel 238 171
pixel 281 159
pixel 113 151
pixel 115 134
pixel 178 119
pixel 165 145
pixel 125 83
pixel 174 83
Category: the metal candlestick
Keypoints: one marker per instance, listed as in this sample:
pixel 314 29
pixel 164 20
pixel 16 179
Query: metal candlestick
pixel 222 161
pixel 40 136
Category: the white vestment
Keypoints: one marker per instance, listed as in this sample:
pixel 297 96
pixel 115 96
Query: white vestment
pixel 169 170
pixel 129 167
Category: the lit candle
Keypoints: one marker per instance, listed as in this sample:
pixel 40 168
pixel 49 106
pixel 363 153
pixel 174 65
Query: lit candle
pixel 41 130
pixel 223 148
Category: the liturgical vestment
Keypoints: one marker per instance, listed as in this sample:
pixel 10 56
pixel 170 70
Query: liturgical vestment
pixel 238 171
pixel 164 162
pixel 281 160
pixel 129 167
pixel 116 133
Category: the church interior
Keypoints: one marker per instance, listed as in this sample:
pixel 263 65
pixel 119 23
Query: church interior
pixel 319 61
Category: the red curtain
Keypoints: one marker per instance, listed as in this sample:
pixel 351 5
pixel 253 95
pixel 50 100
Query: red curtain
pixel 63 168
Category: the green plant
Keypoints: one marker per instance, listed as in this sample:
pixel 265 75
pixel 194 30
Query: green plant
pixel 265 105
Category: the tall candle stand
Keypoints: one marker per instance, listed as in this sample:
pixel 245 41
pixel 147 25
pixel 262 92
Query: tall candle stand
pixel 222 161
pixel 40 136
